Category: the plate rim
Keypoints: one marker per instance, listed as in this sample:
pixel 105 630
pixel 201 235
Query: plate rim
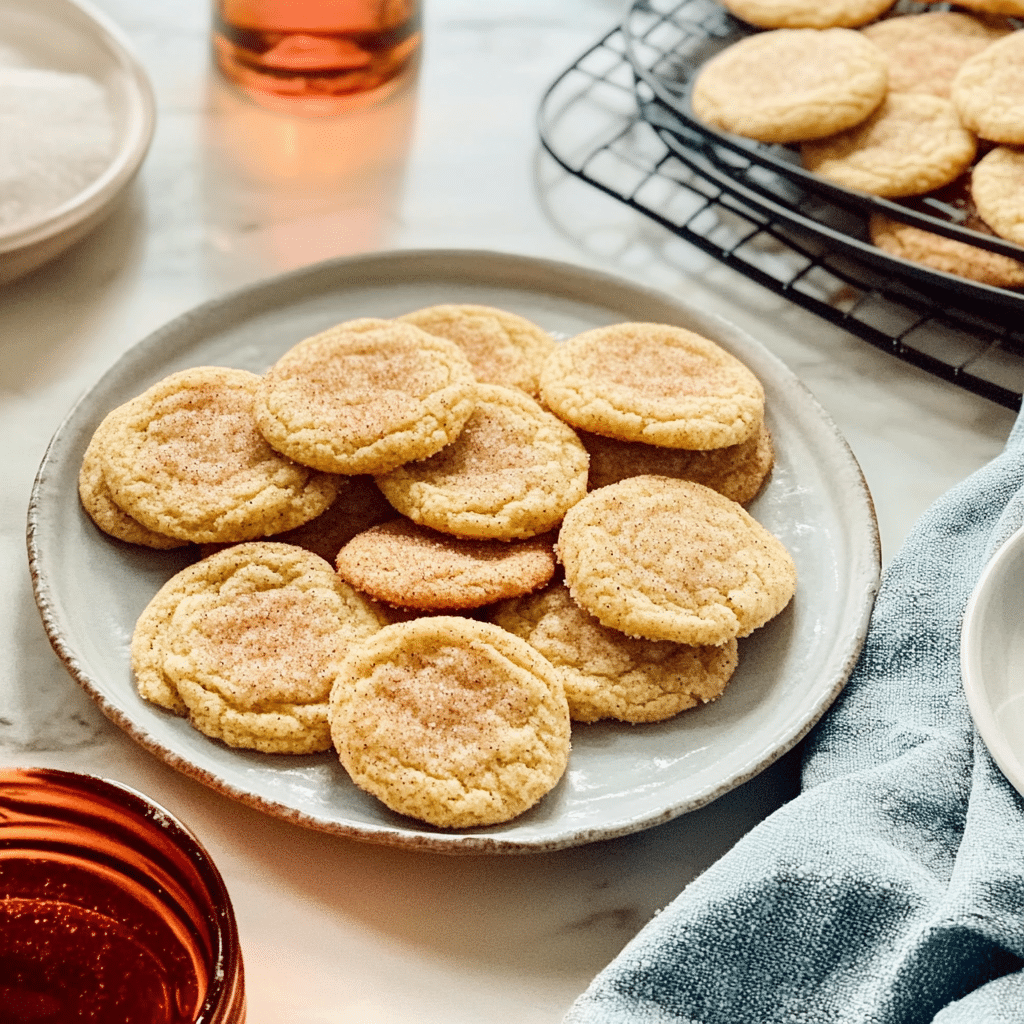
pixel 428 261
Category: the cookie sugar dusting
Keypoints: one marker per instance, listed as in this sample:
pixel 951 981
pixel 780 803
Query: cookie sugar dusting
pixel 451 721
pixel 673 560
pixel 655 383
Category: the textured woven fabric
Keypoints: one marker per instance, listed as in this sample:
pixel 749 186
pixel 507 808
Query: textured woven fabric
pixel 891 890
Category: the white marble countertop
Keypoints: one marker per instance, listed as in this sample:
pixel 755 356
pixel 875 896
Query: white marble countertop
pixel 334 930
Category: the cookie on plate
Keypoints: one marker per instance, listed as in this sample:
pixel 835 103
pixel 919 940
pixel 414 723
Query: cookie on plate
pixel 673 560
pixel 502 347
pixel 247 643
pixel 411 566
pixel 790 85
pixel 738 471
pixel 912 144
pixel 184 458
pixel 365 396
pixel 97 501
pixel 510 474
pixel 358 506
pixel 997 187
pixel 607 674
pixel 925 51
pixel 988 91
pixel 807 13
pixel 654 383
pixel 451 721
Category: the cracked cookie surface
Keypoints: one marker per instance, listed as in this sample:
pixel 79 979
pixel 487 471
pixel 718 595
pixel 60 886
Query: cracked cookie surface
pixel 791 84
pixel 247 643
pixel 912 144
pixel 502 347
pixel 654 383
pixel 184 458
pixel 607 674
pixel 673 560
pixel 511 474
pixel 451 721
pixel 365 396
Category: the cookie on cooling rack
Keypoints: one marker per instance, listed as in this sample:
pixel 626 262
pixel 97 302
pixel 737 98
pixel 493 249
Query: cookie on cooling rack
pixel 185 460
pixel 512 472
pixel 673 560
pixel 925 51
pixel 655 383
pixel 988 91
pixel 410 566
pixel 247 643
pixel 790 85
pixel 949 255
pixel 502 347
pixel 999 7
pixel 607 674
pixel 997 186
pixel 912 144
pixel 451 721
pixel 817 14
pixel 365 396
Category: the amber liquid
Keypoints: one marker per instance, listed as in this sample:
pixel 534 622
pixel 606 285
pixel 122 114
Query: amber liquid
pixel 110 911
pixel 74 947
pixel 313 54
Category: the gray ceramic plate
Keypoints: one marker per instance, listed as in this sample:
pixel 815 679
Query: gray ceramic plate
pixel 621 779
pixel 991 656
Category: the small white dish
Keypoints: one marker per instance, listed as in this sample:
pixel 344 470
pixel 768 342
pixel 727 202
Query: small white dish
pixel 71 37
pixel 992 658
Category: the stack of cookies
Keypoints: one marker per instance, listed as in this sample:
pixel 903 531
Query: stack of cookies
pixel 433 542
pixel 896 105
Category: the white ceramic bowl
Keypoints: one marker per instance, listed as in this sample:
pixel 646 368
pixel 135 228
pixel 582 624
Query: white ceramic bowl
pixel 992 658
pixel 68 36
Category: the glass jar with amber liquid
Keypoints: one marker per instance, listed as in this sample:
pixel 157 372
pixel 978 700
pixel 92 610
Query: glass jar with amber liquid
pixel 316 56
pixel 110 910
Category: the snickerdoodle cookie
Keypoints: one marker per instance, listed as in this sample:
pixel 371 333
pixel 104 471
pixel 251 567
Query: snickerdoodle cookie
pixel 607 674
pixel 185 459
pixel 1010 7
pixel 247 643
pixel 358 506
pixel 912 144
pixel 997 187
pixel 673 560
pixel 451 721
pixel 512 472
pixel 502 347
pixel 949 255
pixel 925 51
pixel 411 566
pixel 807 13
pixel 101 507
pixel 738 471
pixel 365 396
pixel 988 91
pixel 655 383
pixel 790 85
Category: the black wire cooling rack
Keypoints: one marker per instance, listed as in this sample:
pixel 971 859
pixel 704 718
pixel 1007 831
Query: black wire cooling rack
pixel 617 119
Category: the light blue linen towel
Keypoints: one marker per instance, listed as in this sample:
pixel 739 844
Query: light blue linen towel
pixel 891 890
